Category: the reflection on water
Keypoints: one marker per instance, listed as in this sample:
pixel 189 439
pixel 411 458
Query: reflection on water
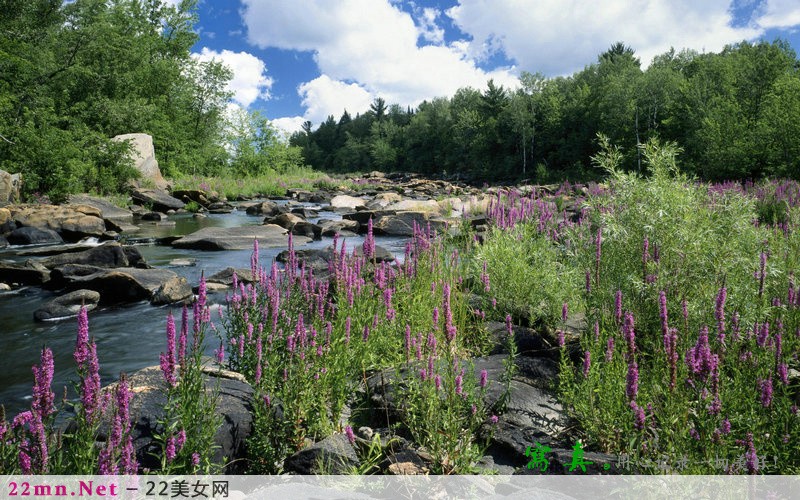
pixel 129 337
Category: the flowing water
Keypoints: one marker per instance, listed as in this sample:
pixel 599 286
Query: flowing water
pixel 128 337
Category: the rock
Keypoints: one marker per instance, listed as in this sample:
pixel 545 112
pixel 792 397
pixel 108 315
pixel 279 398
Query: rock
pixel 265 208
pixel 415 206
pixel 188 262
pixel 4 287
pixel 3 242
pixel 332 455
pixel 331 227
pixel 108 255
pixel 30 273
pixel 402 223
pixel 300 195
pixel 106 208
pixel 363 217
pixel 158 199
pixel 123 285
pixel 237 238
pixel 286 220
pixel 381 254
pixel 225 277
pixel 154 217
pixel 308 230
pixel 9 188
pixel 144 157
pixel 34 236
pixel 220 207
pixel 529 342
pixel 383 200
pixel 343 201
pixel 560 462
pixel 173 290
pixel 7 223
pixel 305 212
pixel 67 305
pixel 316 259
pixel 405 463
pixel 233 404
pixel 74 222
pixel 196 195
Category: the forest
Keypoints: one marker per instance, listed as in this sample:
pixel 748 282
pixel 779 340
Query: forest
pixel 735 114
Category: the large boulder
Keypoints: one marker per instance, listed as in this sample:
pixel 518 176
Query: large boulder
pixel 143 155
pixel 415 206
pixel 237 238
pixel 128 284
pixel 332 227
pixel 73 222
pixel 286 221
pixel 173 290
pixel 110 255
pixel 9 188
pixel 34 236
pixel 233 406
pixel 67 305
pixel 157 199
pixel 344 201
pixel 266 208
pixel 332 455
pixel 107 209
pixel 29 273
pixel 402 223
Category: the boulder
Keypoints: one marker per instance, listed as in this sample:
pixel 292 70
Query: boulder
pixel 286 220
pixel 106 208
pixel 9 188
pixel 402 223
pixel 233 405
pixel 308 230
pixel 123 285
pixel 237 238
pixel 225 277
pixel 381 254
pixel 144 157
pixel 220 207
pixel 7 223
pixel 34 236
pixel 3 242
pixel 108 255
pixel 158 199
pixel 383 200
pixel 174 290
pixel 67 305
pixel 73 222
pixel 188 195
pixel 344 201
pixel 332 227
pixel 300 195
pixel 415 206
pixel 315 259
pixel 29 273
pixel 332 455
pixel 265 208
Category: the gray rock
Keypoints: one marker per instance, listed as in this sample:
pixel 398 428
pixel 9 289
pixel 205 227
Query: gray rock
pixel 308 230
pixel 332 455
pixel 415 206
pixel 237 238
pixel 344 201
pixel 173 290
pixel 381 254
pixel 34 236
pixel 9 188
pixel 67 305
pixel 402 223
pixel 233 406
pixel 158 199
pixel 144 157
pixel 123 285
pixel 265 208
pixel 331 227
pixel 285 220
pixel 106 208
pixel 225 277
pixel 108 255
pixel 29 273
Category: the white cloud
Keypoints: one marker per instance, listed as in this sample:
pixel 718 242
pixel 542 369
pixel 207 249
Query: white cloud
pixel 371 42
pixel 249 82
pixel 780 14
pixel 289 125
pixel 558 37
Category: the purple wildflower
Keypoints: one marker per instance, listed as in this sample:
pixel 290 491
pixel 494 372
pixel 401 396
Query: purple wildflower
pixel 195 459
pixel 494 419
pixel 618 306
pixel 348 431
pixel 639 416
pixel 766 392
pixel 564 312
pixel 750 456
pixel 459 388
pixel 587 363
pixel 719 314
pixel 633 380
pixel 609 349
pixel 168 360
pixel 726 426
pixel 437 381
pixel 484 378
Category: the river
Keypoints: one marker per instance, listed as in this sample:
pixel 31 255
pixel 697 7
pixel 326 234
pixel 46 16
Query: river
pixel 131 337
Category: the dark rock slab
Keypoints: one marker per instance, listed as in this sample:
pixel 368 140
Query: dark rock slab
pixel 29 235
pixel 123 285
pixel 332 227
pixel 266 208
pixel 237 238
pixel 402 223
pixel 67 305
pixel 233 405
pixel 106 208
pixel 158 199
pixel 332 455
pixel 225 277
pixel 29 273
pixel 172 291
pixel 381 254
pixel 108 255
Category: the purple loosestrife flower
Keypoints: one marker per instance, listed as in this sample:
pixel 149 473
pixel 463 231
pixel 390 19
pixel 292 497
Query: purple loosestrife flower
pixel 609 349
pixel 766 392
pixel 564 312
pixel 183 335
pixel 587 363
pixel 483 379
pixel 632 388
pixel 662 309
pixel 561 339
pixel 348 431
pixel 81 354
pixel 170 452
pixel 369 242
pixel 639 416
pixel 168 359
pixel 726 426
pixel 437 381
pixel 25 462
pixel 459 382
pixel 597 331
pixel 588 281
pixel 719 314
pixel 751 458
pixel 618 306
pixel 494 419
pixel 195 459
pixel 783 373
pixel 90 385
pixel 694 434
pixel 509 326
pixel 366 333
pixel 43 397
pixel 763 335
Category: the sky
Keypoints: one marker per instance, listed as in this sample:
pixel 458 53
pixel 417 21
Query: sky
pixel 298 60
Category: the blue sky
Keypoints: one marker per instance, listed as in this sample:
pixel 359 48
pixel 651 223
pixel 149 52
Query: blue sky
pixel 298 60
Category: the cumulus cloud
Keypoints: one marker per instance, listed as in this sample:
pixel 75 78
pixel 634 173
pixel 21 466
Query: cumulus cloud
pixel 371 42
pixel 558 38
pixel 249 82
pixel 289 125
pixel 780 14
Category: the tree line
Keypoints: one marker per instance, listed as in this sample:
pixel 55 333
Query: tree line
pixel 735 114
pixel 73 75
